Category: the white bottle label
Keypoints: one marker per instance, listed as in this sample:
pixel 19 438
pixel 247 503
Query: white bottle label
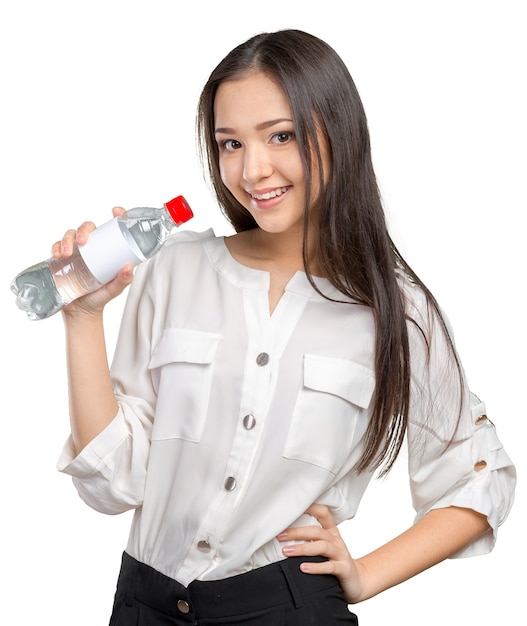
pixel 108 250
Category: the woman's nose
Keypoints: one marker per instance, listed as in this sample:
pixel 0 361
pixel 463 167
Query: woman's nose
pixel 256 165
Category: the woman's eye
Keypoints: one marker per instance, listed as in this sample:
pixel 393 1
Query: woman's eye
pixel 230 145
pixel 283 137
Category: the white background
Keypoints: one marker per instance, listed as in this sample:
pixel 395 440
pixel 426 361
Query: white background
pixel 97 105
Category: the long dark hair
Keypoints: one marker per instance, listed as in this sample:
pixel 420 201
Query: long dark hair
pixel 355 249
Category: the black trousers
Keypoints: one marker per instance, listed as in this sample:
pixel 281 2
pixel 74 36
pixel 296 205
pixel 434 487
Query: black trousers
pixel 274 595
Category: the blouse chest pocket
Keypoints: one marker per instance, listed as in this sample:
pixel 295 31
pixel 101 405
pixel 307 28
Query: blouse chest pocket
pixel 181 367
pixel 333 393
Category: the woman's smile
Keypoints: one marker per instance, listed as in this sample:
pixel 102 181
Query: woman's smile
pixel 268 198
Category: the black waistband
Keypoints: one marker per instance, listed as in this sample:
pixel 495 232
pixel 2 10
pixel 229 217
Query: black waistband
pixel 264 587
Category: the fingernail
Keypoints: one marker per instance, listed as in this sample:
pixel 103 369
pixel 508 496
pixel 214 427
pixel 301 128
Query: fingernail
pixel 305 567
pixel 282 536
pixel 288 550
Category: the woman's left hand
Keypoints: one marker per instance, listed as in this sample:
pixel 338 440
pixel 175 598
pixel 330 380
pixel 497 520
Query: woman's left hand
pixel 325 541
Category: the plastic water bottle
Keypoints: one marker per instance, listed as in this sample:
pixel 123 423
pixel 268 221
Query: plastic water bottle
pixel 45 288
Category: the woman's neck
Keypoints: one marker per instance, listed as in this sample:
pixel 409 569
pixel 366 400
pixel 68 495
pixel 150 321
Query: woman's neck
pixel 272 251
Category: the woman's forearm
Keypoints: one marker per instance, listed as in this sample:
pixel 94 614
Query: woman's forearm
pixel 91 398
pixel 437 536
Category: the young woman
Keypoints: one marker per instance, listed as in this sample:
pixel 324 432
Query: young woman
pixel 261 379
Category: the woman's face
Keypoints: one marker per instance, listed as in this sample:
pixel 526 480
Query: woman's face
pixel 259 158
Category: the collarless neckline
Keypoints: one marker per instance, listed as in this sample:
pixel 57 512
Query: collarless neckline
pixel 247 277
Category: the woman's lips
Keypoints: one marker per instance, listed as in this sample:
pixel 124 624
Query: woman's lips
pixel 268 198
pixel 267 194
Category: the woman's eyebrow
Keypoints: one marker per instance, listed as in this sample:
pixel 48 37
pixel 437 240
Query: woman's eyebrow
pixel 226 130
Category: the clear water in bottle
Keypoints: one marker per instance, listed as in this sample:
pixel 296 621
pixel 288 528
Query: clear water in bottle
pixel 36 293
pixel 45 288
pixel 143 228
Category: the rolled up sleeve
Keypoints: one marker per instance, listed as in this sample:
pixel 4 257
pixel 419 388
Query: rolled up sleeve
pixel 455 456
pixel 110 472
pixel 474 473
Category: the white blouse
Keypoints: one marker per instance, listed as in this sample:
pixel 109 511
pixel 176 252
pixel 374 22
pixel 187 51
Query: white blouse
pixel 232 422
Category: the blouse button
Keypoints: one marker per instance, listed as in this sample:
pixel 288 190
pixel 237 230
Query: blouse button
pixel 230 483
pixel 183 606
pixel 262 359
pixel 480 465
pixel 203 545
pixel 481 419
pixel 249 422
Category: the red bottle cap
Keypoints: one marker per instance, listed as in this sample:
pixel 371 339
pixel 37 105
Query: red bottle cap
pixel 179 210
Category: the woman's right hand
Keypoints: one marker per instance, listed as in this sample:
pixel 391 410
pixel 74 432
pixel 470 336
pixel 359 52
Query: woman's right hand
pixel 92 303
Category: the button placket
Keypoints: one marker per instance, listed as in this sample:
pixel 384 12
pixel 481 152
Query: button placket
pixel 266 342
pixel 248 421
